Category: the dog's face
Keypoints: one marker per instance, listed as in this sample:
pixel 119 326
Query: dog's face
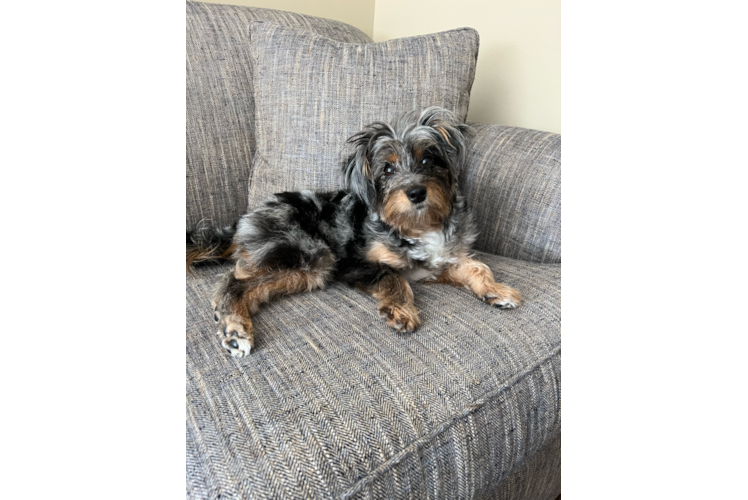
pixel 407 171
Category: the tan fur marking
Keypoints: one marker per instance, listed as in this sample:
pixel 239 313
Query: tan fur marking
pixel 242 325
pixel 192 257
pixel 366 169
pixel 444 133
pixel 229 251
pixel 396 303
pixel 277 283
pixel 245 271
pixel 401 214
pixel 379 253
pixel 439 203
pixel 203 254
pixel 397 207
pixel 392 158
pixel 478 277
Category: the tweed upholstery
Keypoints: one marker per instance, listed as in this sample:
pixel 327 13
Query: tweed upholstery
pixel 334 404
pixel 220 103
pixel 512 180
pixel 312 93
pixel 538 479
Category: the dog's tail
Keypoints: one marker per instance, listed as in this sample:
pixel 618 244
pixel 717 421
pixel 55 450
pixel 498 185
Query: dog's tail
pixel 210 244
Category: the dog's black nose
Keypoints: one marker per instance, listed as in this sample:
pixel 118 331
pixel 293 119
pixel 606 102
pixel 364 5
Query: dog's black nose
pixel 416 194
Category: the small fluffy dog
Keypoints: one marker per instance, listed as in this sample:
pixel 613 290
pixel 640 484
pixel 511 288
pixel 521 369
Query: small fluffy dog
pixel 400 219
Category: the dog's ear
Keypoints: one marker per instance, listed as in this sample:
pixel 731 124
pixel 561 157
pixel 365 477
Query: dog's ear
pixel 452 134
pixel 357 170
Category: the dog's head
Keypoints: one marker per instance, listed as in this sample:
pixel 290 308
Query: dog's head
pixel 407 171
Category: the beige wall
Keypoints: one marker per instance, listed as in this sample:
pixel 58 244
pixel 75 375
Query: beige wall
pixel 518 77
pixel 358 13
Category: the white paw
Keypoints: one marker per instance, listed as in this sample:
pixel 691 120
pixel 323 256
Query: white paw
pixel 501 303
pixel 237 347
pixel 508 298
pixel 236 335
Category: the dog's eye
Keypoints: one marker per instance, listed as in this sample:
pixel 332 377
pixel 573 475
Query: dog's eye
pixel 389 170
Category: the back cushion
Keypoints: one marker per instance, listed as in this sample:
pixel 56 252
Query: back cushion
pixel 220 103
pixel 312 93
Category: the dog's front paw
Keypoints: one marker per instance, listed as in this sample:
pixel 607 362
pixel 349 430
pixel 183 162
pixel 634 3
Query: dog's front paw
pixel 401 317
pixel 236 335
pixel 503 297
pixel 216 312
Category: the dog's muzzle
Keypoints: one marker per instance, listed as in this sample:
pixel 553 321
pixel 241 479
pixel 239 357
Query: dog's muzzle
pixel 416 194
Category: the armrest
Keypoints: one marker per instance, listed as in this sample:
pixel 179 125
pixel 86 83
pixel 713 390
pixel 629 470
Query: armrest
pixel 512 181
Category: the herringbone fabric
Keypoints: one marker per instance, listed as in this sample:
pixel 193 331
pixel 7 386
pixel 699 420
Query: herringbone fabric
pixel 334 404
pixel 220 103
pixel 312 93
pixel 538 479
pixel 513 182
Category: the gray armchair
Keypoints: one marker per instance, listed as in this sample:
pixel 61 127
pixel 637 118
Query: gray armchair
pixel 332 403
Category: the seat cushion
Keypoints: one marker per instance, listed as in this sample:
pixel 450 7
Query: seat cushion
pixel 220 103
pixel 332 403
pixel 312 93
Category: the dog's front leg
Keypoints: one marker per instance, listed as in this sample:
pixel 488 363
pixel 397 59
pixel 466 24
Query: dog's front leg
pixel 478 277
pixel 396 302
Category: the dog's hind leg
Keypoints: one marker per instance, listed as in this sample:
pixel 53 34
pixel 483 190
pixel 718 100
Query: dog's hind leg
pixel 235 327
pixel 241 293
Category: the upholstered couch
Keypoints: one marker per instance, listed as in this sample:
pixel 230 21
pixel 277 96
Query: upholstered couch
pixel 332 403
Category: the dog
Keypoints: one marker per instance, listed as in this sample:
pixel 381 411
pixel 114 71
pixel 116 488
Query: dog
pixel 401 218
